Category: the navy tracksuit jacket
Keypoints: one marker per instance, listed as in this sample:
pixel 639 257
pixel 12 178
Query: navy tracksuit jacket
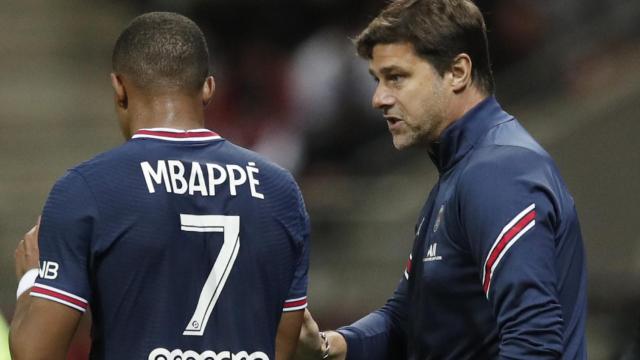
pixel 497 269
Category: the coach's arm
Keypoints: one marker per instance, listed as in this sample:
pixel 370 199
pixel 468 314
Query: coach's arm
pixel 510 213
pixel 40 329
pixel 381 335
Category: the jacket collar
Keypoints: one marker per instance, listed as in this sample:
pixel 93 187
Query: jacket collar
pixel 460 137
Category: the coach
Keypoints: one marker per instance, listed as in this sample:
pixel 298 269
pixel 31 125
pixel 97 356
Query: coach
pixel 497 268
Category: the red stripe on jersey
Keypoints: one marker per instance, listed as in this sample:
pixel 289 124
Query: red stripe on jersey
pixel 296 303
pixel 58 295
pixel 502 243
pixel 177 135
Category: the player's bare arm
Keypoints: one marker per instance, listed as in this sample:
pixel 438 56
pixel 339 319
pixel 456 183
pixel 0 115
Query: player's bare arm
pixel 40 329
pixel 287 337
pixel 313 346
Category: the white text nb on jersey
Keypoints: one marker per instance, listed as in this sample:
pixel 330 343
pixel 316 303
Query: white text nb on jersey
pixel 202 179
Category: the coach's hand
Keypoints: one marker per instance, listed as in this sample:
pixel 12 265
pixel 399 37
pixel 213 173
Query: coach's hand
pixel 27 254
pixel 311 345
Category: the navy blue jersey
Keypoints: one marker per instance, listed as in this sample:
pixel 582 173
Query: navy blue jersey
pixel 497 269
pixel 181 243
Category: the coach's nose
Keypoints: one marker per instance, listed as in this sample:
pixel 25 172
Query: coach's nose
pixel 382 98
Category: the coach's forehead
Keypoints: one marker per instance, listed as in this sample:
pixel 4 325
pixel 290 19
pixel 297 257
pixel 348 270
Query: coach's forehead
pixel 400 54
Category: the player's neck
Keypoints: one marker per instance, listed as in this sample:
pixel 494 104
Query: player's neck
pixel 175 111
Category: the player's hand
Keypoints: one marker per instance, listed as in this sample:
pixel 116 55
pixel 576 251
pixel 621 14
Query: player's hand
pixel 309 343
pixel 27 254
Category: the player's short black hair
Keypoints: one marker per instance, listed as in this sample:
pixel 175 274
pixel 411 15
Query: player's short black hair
pixel 162 51
pixel 439 30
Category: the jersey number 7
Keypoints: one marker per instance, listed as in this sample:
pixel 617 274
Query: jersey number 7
pixel 230 226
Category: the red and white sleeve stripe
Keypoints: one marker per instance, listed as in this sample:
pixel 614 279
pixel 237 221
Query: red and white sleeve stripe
pixel 407 269
pixel 295 304
pixel 60 296
pixel 513 231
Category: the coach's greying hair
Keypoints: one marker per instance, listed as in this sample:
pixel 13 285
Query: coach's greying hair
pixel 438 29
pixel 162 51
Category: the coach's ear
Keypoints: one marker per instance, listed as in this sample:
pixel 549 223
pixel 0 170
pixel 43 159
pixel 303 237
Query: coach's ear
pixel 460 72
pixel 119 92
pixel 208 90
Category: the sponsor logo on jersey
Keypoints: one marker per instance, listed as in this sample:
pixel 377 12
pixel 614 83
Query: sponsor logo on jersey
pixel 432 253
pixel 48 270
pixel 177 354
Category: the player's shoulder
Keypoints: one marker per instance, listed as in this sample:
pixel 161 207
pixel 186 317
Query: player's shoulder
pixel 270 171
pixel 103 160
pixel 107 166
pixel 252 156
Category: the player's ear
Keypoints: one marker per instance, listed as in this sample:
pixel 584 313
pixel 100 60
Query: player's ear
pixel 208 90
pixel 460 72
pixel 119 92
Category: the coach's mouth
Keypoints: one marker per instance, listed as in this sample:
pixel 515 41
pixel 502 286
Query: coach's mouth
pixel 392 121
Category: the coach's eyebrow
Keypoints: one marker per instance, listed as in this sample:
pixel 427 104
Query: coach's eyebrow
pixel 391 69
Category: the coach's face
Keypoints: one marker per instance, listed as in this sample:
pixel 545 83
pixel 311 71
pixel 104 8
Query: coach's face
pixel 411 94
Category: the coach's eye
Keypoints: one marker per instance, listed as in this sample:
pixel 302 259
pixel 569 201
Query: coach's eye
pixel 395 79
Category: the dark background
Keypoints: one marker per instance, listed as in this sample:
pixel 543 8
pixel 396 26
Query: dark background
pixel 290 87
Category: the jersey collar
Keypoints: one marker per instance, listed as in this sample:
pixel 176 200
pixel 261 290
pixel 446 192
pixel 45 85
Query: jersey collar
pixel 176 134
